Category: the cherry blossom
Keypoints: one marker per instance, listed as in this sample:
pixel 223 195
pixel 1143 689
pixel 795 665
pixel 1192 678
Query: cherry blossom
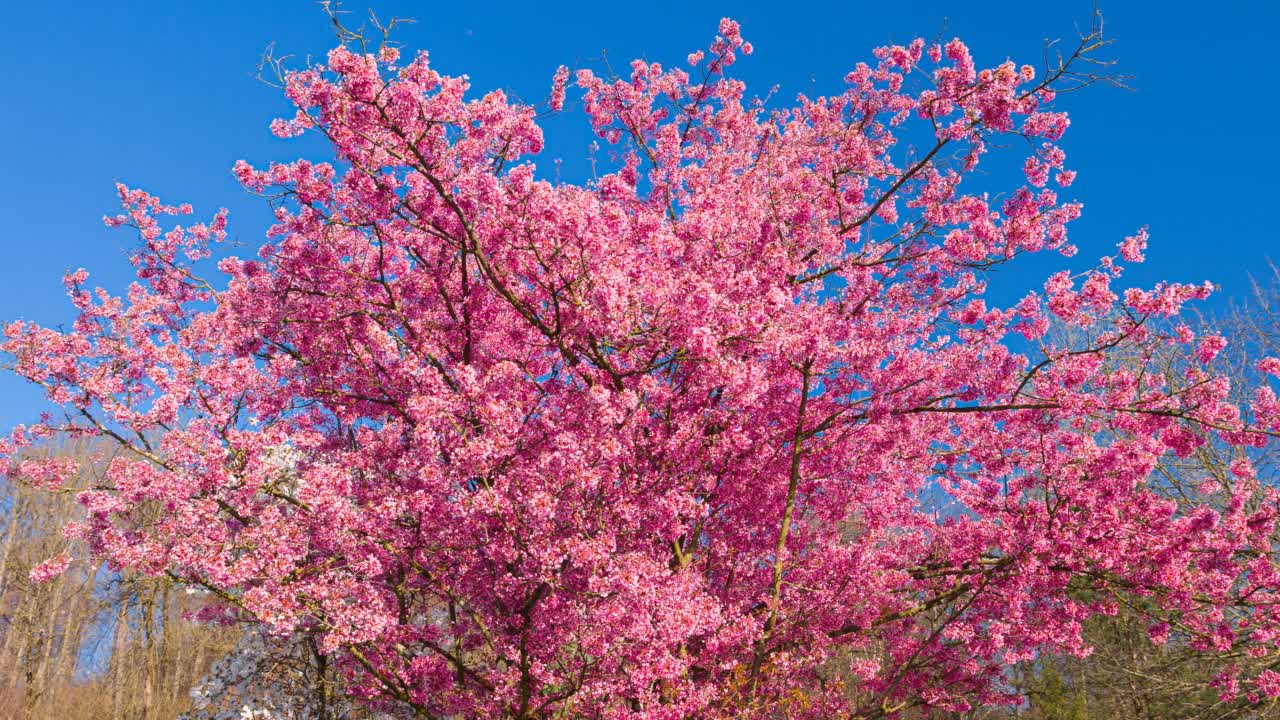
pixel 731 430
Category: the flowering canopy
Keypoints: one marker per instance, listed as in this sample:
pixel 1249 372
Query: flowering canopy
pixel 728 431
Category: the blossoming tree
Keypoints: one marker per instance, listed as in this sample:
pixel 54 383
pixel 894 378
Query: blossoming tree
pixel 729 431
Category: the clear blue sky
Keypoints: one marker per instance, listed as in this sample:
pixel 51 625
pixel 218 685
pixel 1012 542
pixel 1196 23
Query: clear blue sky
pixel 162 95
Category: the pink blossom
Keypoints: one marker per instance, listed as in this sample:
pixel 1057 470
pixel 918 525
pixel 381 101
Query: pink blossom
pixel 1209 348
pixel 1270 366
pixel 1268 683
pixel 1242 468
pixel 51 568
pixel 558 87
pixel 1131 248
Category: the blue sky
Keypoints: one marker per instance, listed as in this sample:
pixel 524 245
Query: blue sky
pixel 162 96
